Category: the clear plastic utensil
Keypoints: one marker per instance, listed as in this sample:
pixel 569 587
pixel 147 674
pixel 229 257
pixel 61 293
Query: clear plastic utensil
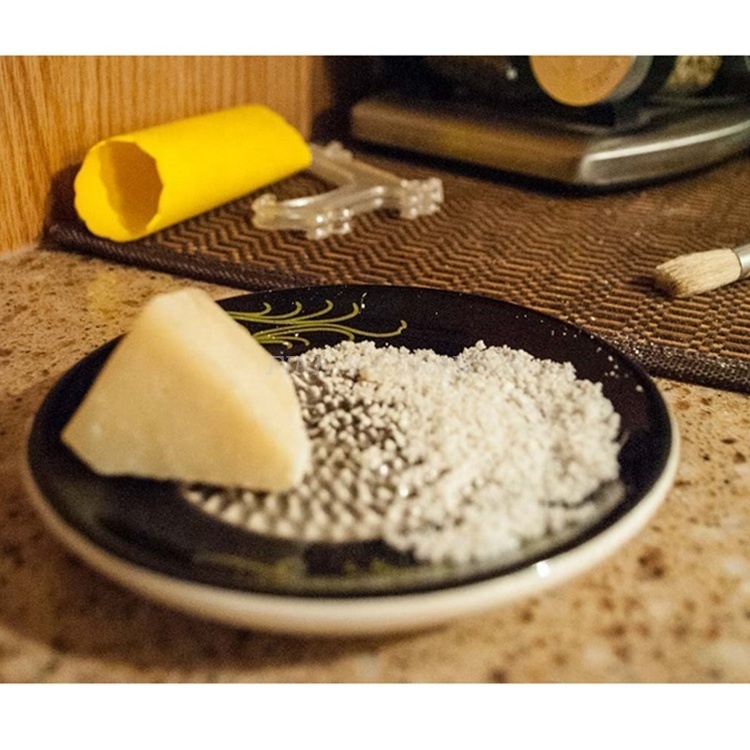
pixel 361 188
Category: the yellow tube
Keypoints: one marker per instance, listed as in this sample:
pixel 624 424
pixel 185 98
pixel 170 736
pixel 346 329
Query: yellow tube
pixel 132 185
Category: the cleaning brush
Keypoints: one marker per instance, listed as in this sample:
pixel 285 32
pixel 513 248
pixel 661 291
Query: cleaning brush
pixel 694 273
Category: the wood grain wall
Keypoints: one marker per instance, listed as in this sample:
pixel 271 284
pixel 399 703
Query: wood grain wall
pixel 52 109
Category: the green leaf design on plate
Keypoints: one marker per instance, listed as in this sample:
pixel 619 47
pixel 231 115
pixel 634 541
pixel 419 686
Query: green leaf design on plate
pixel 289 328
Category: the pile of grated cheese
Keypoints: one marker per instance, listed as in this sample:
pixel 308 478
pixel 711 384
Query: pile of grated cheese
pixel 452 459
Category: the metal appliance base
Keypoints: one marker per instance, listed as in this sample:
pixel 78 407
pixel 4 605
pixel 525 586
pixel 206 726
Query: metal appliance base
pixel 673 141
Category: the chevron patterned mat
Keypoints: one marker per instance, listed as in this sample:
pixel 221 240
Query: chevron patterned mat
pixel 585 259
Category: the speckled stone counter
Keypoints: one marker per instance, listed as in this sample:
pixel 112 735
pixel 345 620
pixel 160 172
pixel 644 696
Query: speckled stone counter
pixel 671 605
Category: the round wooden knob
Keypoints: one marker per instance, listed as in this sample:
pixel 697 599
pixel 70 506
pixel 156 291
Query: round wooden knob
pixel 583 80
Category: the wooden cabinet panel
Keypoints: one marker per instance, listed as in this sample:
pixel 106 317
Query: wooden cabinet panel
pixel 52 109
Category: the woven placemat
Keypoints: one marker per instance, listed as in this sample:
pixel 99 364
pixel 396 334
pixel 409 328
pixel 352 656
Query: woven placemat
pixel 586 259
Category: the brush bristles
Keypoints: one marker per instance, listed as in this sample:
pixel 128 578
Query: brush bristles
pixel 697 272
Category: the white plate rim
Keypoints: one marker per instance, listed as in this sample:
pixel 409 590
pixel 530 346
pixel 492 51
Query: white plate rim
pixel 360 616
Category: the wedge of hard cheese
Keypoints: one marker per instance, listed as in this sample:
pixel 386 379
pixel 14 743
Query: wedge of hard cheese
pixel 189 395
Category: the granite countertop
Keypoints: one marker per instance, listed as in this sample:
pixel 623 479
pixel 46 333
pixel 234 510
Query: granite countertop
pixel 671 605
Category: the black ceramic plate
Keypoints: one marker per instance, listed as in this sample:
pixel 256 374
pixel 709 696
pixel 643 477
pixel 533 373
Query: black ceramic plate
pixel 144 534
